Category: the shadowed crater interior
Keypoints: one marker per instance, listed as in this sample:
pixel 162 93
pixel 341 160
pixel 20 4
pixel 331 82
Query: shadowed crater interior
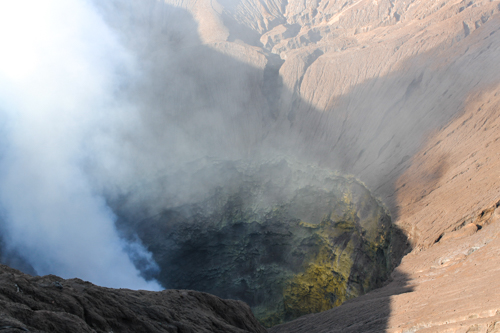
pixel 288 239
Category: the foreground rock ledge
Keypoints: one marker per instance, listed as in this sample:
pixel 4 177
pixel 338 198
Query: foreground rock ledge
pixel 52 304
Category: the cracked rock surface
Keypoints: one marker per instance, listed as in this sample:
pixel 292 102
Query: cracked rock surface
pixel 52 304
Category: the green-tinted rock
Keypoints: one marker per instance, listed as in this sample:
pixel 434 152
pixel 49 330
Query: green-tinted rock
pixel 285 238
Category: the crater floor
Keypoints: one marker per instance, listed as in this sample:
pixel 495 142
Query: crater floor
pixel 285 238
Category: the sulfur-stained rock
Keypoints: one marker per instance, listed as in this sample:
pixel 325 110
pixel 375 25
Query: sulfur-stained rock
pixel 288 239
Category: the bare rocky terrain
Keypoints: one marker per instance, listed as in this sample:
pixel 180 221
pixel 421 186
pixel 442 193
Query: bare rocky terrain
pixel 404 95
pixel 52 304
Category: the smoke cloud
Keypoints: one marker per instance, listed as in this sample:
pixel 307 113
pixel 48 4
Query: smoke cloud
pixel 61 70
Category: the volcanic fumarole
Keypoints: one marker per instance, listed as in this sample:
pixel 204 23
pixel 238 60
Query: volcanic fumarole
pixel 256 150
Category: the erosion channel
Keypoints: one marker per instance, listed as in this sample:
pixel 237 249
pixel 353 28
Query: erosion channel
pixel 286 238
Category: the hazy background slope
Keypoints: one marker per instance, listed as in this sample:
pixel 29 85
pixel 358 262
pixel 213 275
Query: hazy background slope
pixel 354 86
pixel 378 78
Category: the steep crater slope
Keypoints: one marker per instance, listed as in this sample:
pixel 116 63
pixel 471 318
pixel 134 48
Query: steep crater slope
pixel 285 238
pixel 449 202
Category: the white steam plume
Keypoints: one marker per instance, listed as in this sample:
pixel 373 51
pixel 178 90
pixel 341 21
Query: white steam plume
pixel 60 68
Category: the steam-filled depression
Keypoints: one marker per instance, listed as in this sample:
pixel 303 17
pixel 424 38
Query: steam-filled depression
pixel 60 70
pixel 287 238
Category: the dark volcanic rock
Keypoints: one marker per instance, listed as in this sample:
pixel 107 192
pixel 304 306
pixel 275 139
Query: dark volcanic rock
pixel 52 304
pixel 287 239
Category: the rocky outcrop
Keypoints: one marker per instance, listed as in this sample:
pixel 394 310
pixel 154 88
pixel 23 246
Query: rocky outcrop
pixel 52 304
